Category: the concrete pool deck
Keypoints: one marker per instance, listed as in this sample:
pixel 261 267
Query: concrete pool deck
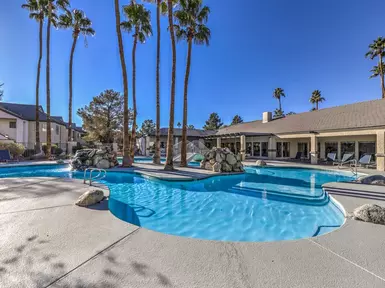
pixel 47 241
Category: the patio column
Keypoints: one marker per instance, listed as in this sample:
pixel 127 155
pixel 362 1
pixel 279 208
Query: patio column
pixel 356 151
pixel 219 142
pixel 243 147
pixel 380 150
pixel 313 149
pixel 339 151
pixel 272 148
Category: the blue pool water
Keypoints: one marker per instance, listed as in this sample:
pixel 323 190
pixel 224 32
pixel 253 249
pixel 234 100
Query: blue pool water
pixel 264 204
pixel 142 159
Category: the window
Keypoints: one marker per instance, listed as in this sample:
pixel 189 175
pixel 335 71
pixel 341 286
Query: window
pixel 57 129
pixel 302 147
pixel 331 147
pixel 44 127
pixel 162 145
pixel 73 135
pixel 257 149
pixel 249 148
pixel 279 150
pixel 238 147
pixel 286 149
pixel 12 125
pixel 367 148
pixel 264 149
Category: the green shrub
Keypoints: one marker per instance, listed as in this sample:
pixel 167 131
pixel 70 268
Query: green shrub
pixel 53 149
pixel 15 149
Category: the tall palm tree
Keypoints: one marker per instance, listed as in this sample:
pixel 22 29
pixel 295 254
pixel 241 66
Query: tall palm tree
pixel 191 19
pixel 316 98
pixel 278 94
pixel 169 165
pixel 38 10
pixel 127 161
pixel 52 8
pixel 80 24
pixel 375 72
pixel 377 49
pixel 138 21
pixel 161 8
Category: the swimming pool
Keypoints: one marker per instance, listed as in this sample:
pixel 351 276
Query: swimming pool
pixel 264 204
pixel 143 159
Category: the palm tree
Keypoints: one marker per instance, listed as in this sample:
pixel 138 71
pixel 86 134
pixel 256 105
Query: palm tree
pixel 139 21
pixel 38 10
pixel 161 7
pixel 377 49
pixel 169 165
pixel 53 6
pixel 278 93
pixel 127 161
pixel 191 20
pixel 316 98
pixel 80 24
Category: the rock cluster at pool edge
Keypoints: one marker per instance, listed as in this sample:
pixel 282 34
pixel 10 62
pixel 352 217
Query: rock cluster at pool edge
pixel 222 160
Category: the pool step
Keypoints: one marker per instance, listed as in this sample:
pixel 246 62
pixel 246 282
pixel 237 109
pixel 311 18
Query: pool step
pixel 355 193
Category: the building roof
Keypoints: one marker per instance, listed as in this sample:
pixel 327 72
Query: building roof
pixel 190 132
pixel 369 114
pixel 27 112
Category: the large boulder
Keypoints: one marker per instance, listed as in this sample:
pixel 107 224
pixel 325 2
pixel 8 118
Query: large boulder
pixel 103 158
pixel 370 213
pixel 372 180
pixel 260 163
pixel 222 160
pixel 90 197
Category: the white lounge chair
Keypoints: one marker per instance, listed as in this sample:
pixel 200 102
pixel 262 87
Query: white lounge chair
pixel 346 159
pixel 365 161
pixel 331 157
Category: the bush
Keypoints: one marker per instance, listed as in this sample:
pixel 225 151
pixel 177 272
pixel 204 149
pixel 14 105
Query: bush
pixel 28 153
pixel 54 148
pixel 15 149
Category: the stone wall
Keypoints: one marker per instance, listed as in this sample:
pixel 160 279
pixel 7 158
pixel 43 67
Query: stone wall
pixel 222 160
pixel 99 158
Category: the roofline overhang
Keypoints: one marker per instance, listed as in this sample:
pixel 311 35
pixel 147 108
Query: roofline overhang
pixel 236 134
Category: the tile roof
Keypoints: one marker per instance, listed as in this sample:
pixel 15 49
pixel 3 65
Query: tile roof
pixel 367 114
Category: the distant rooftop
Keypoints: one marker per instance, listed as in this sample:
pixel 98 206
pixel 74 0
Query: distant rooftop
pixel 368 114
pixel 190 132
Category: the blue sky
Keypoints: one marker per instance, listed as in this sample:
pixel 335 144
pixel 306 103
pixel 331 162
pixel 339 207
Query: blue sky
pixel 256 46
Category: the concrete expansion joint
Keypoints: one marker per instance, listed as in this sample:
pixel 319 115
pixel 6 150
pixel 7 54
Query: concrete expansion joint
pixel 345 259
pixel 109 247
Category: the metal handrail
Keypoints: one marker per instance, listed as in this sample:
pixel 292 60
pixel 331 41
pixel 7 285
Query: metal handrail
pixel 98 177
pixel 353 167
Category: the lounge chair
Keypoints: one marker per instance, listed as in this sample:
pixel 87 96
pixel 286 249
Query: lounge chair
pixel 365 161
pixel 298 156
pixel 5 156
pixel 331 157
pixel 346 159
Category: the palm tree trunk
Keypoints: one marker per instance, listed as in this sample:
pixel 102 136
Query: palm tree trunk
pixel 157 131
pixel 380 65
pixel 183 162
pixel 133 131
pixel 37 114
pixel 70 89
pixel 48 82
pixel 279 101
pixel 316 105
pixel 126 145
pixel 169 158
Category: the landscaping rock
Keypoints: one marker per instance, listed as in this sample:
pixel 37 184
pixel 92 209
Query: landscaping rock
pixel 221 160
pixel 89 198
pixel 372 180
pixel 260 163
pixel 103 158
pixel 370 213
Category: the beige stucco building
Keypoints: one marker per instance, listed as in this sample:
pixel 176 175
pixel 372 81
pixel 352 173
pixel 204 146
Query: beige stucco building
pixel 355 128
pixel 17 123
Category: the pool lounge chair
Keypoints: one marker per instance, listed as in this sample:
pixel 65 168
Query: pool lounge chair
pixel 5 156
pixel 331 157
pixel 365 161
pixel 298 156
pixel 346 159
